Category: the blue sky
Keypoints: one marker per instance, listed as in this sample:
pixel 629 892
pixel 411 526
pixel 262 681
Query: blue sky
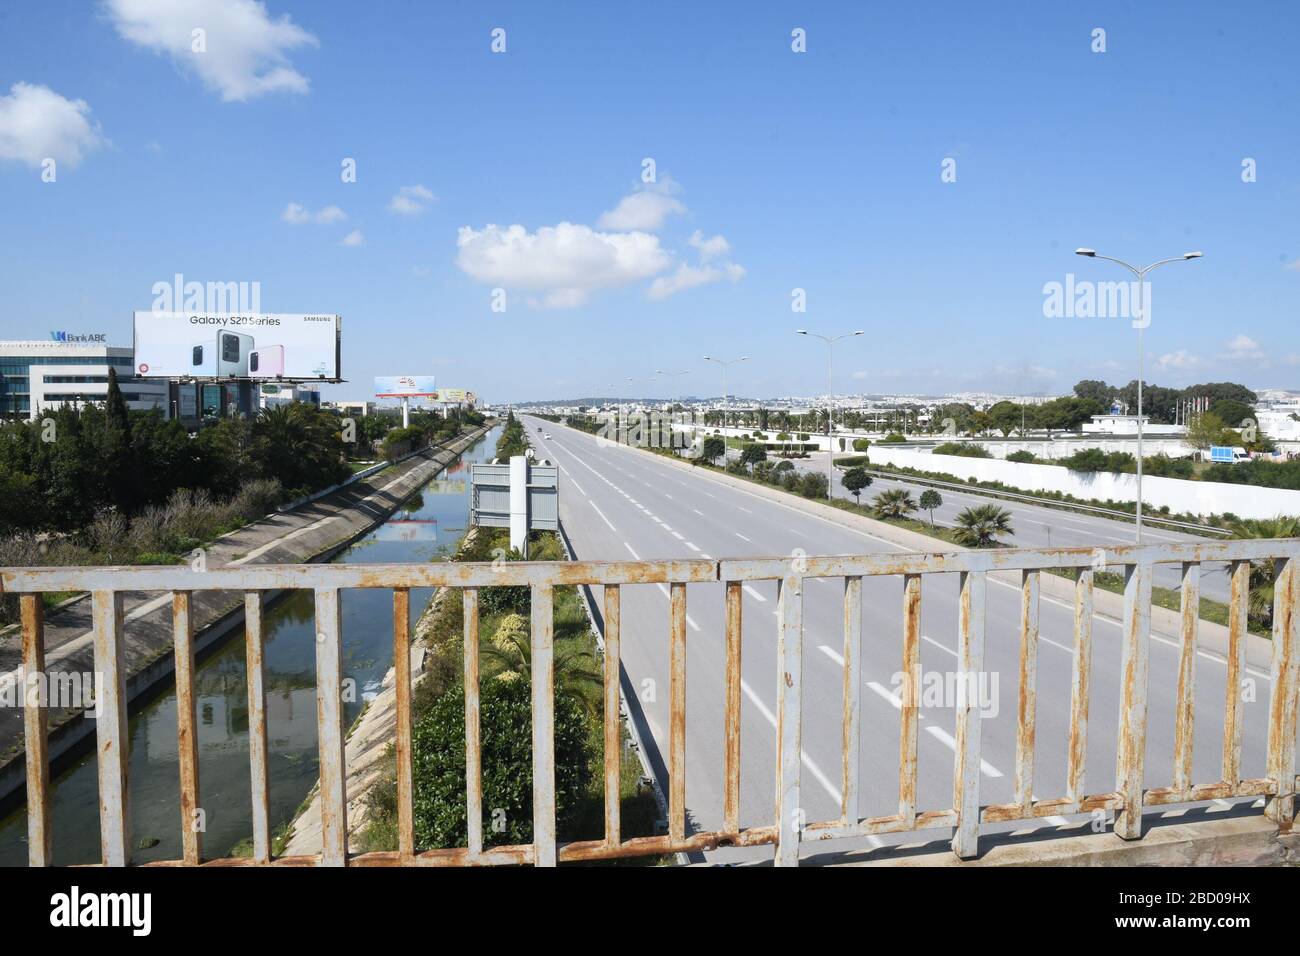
pixel 818 170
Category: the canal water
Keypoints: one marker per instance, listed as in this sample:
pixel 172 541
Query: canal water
pixel 426 528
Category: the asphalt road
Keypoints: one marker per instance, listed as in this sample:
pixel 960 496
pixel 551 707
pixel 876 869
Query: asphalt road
pixel 617 503
pixel 1039 526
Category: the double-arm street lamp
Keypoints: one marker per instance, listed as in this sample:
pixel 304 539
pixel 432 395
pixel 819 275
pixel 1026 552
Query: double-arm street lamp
pixel 672 378
pixel 724 363
pixel 1142 320
pixel 830 341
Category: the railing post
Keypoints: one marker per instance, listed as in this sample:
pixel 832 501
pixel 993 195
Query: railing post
pixel 258 762
pixel 1185 708
pixel 1286 688
pixel 731 720
pixel 543 702
pixel 677 713
pixel 1234 720
pixel 966 772
pixel 329 719
pixel 789 719
pixel 909 709
pixel 473 736
pixel 36 704
pixel 111 731
pixel 1027 699
pixel 1130 758
pixel 1080 678
pixel 404 727
pixel 613 717
pixel 187 733
pixel 851 733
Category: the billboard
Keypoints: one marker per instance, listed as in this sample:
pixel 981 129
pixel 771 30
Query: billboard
pixel 259 345
pixel 404 386
pixel 451 395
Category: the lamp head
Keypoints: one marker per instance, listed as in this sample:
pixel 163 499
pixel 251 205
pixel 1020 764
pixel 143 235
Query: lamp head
pixel 1191 255
pixel 1085 252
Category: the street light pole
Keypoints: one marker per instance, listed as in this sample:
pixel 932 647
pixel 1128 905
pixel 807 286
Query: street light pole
pixel 1140 323
pixel 830 341
pixel 724 363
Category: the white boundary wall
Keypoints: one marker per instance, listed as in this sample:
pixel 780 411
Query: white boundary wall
pixel 1182 496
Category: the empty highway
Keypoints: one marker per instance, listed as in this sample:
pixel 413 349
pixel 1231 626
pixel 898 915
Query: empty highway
pixel 619 503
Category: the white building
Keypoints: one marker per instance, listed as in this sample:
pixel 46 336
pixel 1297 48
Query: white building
pixel 36 376
pixel 1128 425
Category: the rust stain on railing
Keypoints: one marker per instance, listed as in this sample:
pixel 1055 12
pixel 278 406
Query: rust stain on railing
pixel 788 828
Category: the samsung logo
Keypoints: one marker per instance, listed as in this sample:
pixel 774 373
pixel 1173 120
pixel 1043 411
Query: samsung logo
pixel 70 337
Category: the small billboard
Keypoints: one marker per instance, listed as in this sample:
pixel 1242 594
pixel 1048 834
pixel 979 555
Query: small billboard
pixel 404 386
pixel 188 345
pixel 451 395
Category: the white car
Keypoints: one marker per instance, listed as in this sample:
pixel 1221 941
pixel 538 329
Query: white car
pixel 546 436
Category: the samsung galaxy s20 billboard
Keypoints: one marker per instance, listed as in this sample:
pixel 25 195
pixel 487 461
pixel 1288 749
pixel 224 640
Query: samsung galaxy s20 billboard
pixel 260 345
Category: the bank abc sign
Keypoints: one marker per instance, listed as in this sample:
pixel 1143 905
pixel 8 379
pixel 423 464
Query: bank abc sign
pixel 97 337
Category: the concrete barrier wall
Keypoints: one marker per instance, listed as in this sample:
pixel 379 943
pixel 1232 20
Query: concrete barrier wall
pixel 1182 496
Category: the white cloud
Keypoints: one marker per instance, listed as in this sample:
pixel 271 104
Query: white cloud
pixel 354 238
pixel 644 210
pixel 298 215
pixel 38 124
pixel 1182 359
pixel 709 248
pixel 411 200
pixel 566 261
pixel 688 277
pixel 244 49
pixel 1292 266
pixel 1242 348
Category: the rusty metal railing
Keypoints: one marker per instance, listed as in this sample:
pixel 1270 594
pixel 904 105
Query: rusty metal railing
pixel 788 828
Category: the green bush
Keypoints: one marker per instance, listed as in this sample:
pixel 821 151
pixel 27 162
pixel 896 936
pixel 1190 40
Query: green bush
pixel 964 449
pixel 893 438
pixel 1022 456
pixel 438 759
pixel 813 485
pixel 861 444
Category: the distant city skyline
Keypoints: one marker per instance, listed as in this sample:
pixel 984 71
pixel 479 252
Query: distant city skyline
pixel 921 173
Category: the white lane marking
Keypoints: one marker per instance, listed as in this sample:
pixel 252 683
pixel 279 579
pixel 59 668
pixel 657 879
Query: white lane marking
pixel 663 587
pixel 679 536
pixel 754 594
pixel 889 695
pixel 831 654
pixel 742 537
pixel 630 551
pixel 947 740
pixel 706 555
pixel 940 646
pixel 813 769
pixel 698 512
pixel 578 486
pixel 602 516
pixel 691 621
pixel 746 510
pixel 692 546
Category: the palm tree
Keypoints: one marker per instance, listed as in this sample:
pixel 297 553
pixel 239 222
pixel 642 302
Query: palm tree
pixel 1260 607
pixel 894 503
pixel 980 527
pixel 512 659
